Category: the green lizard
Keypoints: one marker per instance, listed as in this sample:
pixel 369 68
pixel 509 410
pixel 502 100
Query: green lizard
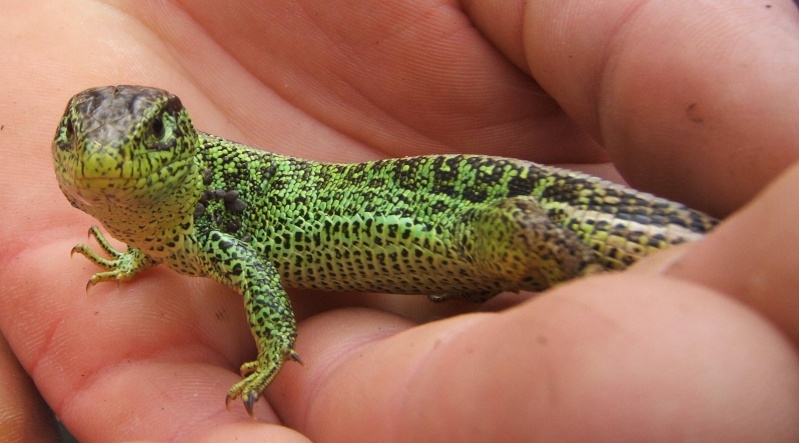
pixel 464 226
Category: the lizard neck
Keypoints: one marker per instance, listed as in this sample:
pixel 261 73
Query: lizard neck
pixel 153 213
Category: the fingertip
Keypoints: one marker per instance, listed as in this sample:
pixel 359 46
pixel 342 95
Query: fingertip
pixel 636 347
pixel 752 256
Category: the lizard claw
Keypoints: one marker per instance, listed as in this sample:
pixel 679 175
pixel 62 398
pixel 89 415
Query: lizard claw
pixel 122 266
pixel 296 357
pixel 249 403
pixel 257 376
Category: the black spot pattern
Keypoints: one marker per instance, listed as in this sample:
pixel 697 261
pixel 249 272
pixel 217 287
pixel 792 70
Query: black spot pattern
pixel 447 226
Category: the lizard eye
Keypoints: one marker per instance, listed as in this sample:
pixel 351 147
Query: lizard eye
pixel 157 127
pixel 163 140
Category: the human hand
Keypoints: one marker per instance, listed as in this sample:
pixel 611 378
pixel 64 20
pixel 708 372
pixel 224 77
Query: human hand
pixel 24 416
pixel 681 99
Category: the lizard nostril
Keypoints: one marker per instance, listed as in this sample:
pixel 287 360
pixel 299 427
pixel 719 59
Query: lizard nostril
pixel 64 141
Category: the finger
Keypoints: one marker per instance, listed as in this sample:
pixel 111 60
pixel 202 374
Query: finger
pixel 753 256
pixel 603 352
pixel 408 77
pixel 24 416
pixel 684 96
pixel 246 431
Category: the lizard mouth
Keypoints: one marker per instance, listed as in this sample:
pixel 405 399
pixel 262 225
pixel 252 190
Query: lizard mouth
pixel 111 186
pixel 101 191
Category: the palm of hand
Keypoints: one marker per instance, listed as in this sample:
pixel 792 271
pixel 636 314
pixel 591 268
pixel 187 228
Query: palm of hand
pixel 155 357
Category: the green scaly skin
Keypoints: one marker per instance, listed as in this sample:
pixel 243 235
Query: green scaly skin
pixel 461 226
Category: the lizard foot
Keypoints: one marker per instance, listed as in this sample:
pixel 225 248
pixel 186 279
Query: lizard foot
pixel 122 266
pixel 257 376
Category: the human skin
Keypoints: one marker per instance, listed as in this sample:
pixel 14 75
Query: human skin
pixel 693 101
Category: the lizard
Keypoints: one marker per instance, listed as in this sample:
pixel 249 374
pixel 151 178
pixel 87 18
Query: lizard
pixel 445 226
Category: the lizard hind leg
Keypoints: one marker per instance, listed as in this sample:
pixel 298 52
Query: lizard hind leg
pixel 518 241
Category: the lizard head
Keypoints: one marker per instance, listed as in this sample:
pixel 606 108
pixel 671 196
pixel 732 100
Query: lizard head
pixel 127 156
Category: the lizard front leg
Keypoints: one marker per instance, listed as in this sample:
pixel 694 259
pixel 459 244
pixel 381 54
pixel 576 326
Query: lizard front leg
pixel 235 264
pixel 122 266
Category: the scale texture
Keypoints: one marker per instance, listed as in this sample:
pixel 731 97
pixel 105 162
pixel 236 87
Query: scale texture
pixel 447 226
